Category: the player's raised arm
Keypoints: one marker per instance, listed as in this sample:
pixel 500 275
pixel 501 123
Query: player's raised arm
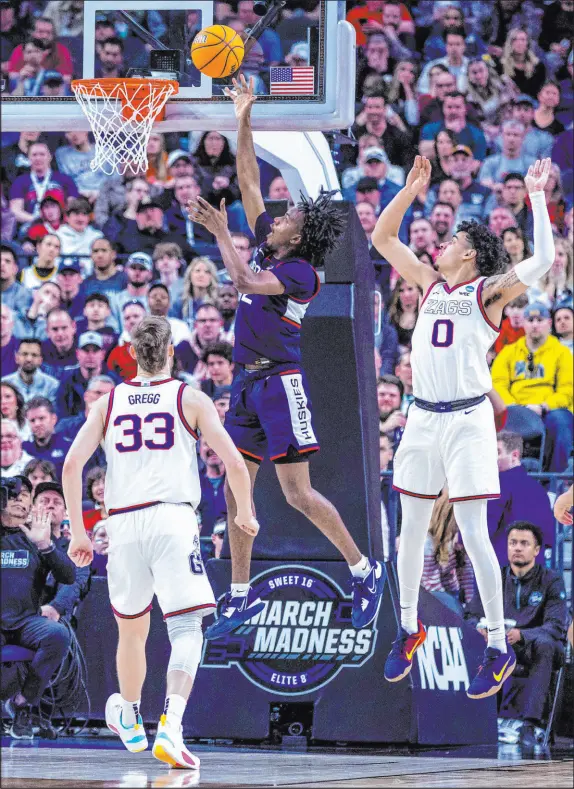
pixel 84 446
pixel 386 233
pixel 199 409
pixel 502 288
pixel 247 167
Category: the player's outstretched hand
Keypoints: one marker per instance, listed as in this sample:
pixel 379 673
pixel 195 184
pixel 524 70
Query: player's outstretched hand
pixel 248 524
pixel 537 175
pixel 81 551
pixel 242 95
pixel 419 175
pixel 562 508
pixel 203 213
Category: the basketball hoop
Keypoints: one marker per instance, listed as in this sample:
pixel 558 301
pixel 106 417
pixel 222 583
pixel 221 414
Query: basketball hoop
pixel 121 113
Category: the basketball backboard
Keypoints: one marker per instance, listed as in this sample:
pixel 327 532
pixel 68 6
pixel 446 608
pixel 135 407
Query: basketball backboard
pixel 320 96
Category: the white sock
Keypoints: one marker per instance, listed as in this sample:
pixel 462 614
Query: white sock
pixel 174 708
pixel 362 568
pixel 471 519
pixel 239 590
pixel 130 712
pixel 416 517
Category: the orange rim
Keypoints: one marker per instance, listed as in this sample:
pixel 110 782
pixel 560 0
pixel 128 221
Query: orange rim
pixel 134 98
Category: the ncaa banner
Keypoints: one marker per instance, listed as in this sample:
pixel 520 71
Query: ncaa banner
pixel 303 637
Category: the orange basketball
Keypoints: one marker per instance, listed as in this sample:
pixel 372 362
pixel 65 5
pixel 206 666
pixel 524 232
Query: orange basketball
pixel 217 51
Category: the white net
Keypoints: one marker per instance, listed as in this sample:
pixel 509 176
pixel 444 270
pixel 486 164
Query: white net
pixel 122 114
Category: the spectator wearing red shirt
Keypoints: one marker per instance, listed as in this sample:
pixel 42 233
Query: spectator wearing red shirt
pixel 51 217
pixel 95 482
pixel 511 328
pixel 57 57
pixel 120 360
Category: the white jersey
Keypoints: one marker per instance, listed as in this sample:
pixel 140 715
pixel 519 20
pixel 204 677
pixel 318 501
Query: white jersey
pixel 450 342
pixel 150 448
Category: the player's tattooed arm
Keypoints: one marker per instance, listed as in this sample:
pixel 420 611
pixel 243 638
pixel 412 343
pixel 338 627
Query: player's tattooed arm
pixel 501 289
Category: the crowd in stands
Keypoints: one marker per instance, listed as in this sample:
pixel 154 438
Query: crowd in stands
pixel 481 88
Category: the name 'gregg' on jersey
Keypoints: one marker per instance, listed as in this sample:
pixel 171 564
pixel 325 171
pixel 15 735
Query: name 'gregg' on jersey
pixel 451 339
pixel 269 327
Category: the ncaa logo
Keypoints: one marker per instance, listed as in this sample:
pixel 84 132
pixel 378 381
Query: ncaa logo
pixel 535 598
pixel 301 640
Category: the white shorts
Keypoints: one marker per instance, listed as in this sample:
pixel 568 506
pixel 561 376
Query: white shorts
pixel 156 551
pixel 458 448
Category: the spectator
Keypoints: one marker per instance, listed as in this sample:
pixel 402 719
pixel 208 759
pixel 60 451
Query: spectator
pixel 212 479
pixel 227 303
pixel 70 281
pixel 441 156
pixel 537 143
pixel 351 175
pixel 555 198
pixel 217 536
pixel 14 295
pixel 183 230
pixel 45 267
pixel 159 305
pixel 139 272
pixel 22 587
pixel 512 159
pixel 106 278
pixel 59 350
pixel 512 326
pixel 67 16
pixel 111 59
pixel 513 197
pixel 29 79
pixel 98 386
pixel 208 328
pixel 404 373
pixel 441 83
pixel 449 193
pixel 137 190
pixel 218 364
pixel 214 158
pixel 534 598
pixel 40 471
pixel 422 238
pixel 375 166
pixel 520 64
pixel 402 96
pixel 95 487
pixel 402 43
pixel 521 497
pixel 446 567
pixel 28 378
pixel 13 457
pixel 168 261
pixel 75 160
pixel 96 315
pixel 199 287
pixel 515 244
pixel 376 62
pixel 389 397
pixel 455 119
pixel 501 219
pixel 157 172
pixel 46 443
pixel 488 92
pixel 56 56
pixel 54 85
pixel 12 407
pixel 563 318
pixel 11 33
pixel 404 310
pixel 557 284
pixel 278 190
pixel 90 354
pixel 477 199
pixel 455 60
pixel 545 114
pixel 44 299
pixel 269 40
pixel 120 360
pixel 29 189
pixel 101 543
pixel 50 220
pixel 536 373
pixel 77 234
pixel 442 222
pixel 8 343
pixel 390 131
pixel 221 400
pixel 147 231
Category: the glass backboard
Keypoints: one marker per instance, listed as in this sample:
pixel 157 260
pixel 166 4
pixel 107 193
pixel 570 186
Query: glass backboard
pixel 303 65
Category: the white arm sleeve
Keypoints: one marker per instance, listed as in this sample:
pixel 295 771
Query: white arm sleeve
pixel 531 270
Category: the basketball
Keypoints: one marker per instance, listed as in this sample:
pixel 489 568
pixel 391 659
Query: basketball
pixel 217 51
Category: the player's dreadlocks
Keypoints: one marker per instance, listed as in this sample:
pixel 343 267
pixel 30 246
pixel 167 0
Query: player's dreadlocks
pixel 323 224
pixel 491 257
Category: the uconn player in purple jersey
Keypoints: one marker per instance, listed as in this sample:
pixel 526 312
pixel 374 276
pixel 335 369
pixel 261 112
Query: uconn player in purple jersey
pixel 270 411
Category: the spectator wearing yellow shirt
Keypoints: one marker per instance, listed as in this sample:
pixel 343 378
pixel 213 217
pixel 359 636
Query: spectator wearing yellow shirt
pixel 536 373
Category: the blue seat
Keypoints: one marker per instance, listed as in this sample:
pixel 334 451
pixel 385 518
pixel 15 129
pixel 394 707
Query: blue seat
pixel 16 654
pixel 530 426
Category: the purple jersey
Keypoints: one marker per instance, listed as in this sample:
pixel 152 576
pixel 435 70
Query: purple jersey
pixel 269 327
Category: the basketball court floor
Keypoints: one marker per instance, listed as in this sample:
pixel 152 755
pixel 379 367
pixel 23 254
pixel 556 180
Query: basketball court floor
pixel 89 763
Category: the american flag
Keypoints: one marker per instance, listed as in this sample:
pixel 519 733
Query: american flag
pixel 296 81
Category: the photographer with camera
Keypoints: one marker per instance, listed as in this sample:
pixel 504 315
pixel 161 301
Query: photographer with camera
pixel 29 554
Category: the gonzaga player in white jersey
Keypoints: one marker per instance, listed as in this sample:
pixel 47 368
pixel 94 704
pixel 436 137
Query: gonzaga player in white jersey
pixel 149 428
pixel 450 434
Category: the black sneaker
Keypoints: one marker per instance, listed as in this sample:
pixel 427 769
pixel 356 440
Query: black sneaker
pixel 21 728
pixel 46 731
pixel 528 736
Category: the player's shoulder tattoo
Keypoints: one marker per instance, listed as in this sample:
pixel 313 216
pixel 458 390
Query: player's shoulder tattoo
pixel 494 287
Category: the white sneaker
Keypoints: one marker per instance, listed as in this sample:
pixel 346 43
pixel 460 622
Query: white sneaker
pixel 168 747
pixel 133 737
